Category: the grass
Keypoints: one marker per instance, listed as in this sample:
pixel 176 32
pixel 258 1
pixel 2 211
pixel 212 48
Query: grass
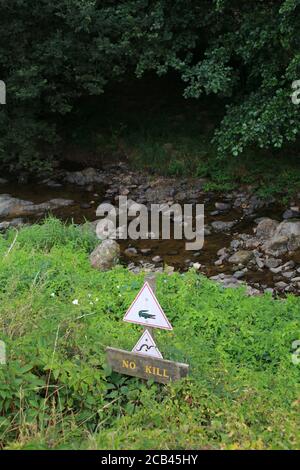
pixel 56 391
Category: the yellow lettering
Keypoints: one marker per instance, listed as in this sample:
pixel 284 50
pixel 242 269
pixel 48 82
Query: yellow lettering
pixel 148 370
pixel 132 365
pixel 125 364
pixel 165 374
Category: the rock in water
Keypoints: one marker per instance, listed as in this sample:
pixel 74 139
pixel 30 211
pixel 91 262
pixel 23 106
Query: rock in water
pixel 266 228
pixel 286 238
pixel 223 206
pixel 220 226
pixel 13 207
pixel 241 257
pixel 106 255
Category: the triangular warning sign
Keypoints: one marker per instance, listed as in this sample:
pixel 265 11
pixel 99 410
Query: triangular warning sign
pixel 145 310
pixel 146 346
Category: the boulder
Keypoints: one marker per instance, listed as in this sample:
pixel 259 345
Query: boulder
pixel 285 238
pixel 288 228
pixel 13 207
pixel 277 246
pixel 266 228
pixel 106 255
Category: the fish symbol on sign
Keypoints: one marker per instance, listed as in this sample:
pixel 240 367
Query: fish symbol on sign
pixel 145 314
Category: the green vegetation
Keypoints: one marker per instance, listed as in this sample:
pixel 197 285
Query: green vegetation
pixel 56 56
pixel 57 392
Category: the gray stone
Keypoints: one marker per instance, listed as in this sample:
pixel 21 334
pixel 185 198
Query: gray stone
pixel 276 270
pixel 289 264
pixel 241 257
pixel 272 262
pixel 146 251
pixel 221 226
pixel 266 228
pixel 157 259
pixel 106 255
pixel 288 228
pixel 290 213
pixel 84 177
pixel 223 206
pixel 11 223
pixel 281 285
pixel 269 290
pixel 293 243
pixel 239 274
pixel 234 244
pixel 259 262
pixel 277 246
pixel 289 274
pixel 131 251
pixel 13 207
pixel 222 252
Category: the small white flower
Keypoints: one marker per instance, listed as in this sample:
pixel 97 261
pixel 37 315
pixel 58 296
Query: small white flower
pixel 75 302
pixel 118 287
pixel 52 294
pixel 97 299
pixel 91 303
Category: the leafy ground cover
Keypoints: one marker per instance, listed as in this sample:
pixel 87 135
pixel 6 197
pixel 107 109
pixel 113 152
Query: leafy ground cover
pixel 57 315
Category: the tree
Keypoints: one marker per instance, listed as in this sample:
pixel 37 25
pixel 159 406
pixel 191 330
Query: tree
pixel 53 53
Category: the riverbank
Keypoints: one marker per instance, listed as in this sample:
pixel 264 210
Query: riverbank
pixel 58 314
pixel 239 225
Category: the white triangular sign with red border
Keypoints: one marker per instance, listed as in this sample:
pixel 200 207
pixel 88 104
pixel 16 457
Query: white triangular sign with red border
pixel 146 346
pixel 145 310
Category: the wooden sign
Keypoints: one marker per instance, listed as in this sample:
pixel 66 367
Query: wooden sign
pixel 154 368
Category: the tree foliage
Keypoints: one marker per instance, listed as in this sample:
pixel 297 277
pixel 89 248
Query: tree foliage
pixel 53 53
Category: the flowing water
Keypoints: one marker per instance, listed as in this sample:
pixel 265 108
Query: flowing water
pixel 172 251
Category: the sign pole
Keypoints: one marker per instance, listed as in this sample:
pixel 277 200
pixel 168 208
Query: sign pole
pixel 151 279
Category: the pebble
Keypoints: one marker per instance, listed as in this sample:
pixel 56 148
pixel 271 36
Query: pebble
pixel 223 206
pixel 239 274
pixel 197 266
pixel 276 270
pixel 146 251
pixel 131 251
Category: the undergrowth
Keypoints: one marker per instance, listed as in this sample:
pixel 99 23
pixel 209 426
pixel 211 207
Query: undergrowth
pixel 57 315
